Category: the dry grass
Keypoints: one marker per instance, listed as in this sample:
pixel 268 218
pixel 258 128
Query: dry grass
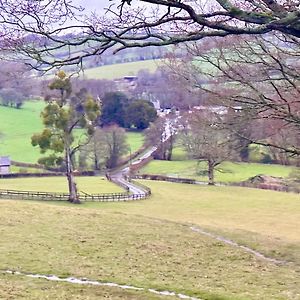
pixel 265 220
pixel 16 288
pixel 95 185
pixel 147 252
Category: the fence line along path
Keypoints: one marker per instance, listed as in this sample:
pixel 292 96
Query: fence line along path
pixel 44 196
pixel 121 177
pixel 134 191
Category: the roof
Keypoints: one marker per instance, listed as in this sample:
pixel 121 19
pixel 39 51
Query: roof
pixel 4 161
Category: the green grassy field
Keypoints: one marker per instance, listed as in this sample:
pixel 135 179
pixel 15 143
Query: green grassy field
pixel 226 172
pixel 18 125
pixel 95 185
pixel 119 70
pixel 266 220
pixel 149 244
pixel 135 140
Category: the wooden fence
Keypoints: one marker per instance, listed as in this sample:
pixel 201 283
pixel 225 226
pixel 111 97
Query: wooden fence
pixel 52 174
pixel 165 178
pixel 31 195
pixel 146 189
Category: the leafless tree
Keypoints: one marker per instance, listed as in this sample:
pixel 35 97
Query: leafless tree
pixel 156 135
pixel 39 29
pixel 114 142
pixel 258 77
pixel 205 139
pixel 17 84
pixel 162 86
pixel 94 153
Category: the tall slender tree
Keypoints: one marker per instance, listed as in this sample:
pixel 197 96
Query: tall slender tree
pixel 61 116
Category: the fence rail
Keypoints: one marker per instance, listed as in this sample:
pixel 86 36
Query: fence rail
pixel 32 195
pixel 165 178
pixel 142 186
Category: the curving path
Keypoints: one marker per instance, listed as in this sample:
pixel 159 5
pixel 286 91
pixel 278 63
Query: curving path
pixel 122 176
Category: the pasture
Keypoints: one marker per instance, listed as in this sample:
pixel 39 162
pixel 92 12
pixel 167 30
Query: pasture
pixel 18 125
pixel 120 70
pixel 149 244
pixel 90 185
pixel 226 172
pixel 135 140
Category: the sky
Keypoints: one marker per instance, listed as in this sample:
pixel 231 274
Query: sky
pixel 94 5
pixel 99 5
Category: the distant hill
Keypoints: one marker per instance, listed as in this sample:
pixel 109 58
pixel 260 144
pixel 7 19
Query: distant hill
pixel 122 69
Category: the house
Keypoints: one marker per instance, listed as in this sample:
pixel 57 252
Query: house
pixel 4 165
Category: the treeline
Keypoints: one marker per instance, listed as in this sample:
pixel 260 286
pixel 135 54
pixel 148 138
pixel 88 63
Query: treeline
pixel 102 142
pixel 108 57
pixel 119 109
pixel 16 84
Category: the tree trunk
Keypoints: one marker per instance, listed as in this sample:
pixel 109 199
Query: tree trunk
pixel 73 196
pixel 211 175
pixel 96 160
pixel 170 147
pixel 96 163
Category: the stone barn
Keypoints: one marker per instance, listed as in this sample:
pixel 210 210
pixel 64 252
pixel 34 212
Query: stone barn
pixel 4 165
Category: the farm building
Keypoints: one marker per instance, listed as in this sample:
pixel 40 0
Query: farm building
pixel 4 165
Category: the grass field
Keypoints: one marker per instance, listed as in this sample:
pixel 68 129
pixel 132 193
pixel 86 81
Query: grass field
pixel 226 172
pixel 120 70
pixel 135 140
pixel 16 288
pixel 256 217
pixel 149 244
pixel 18 125
pixel 95 185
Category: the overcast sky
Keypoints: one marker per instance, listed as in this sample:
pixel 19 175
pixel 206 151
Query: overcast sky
pixel 99 5
pixel 93 5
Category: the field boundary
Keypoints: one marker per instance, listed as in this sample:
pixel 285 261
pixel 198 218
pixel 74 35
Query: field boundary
pixel 33 165
pixel 85 197
pixel 48 174
pixel 165 178
pixel 262 186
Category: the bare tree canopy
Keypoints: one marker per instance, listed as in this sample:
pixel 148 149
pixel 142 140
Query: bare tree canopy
pixel 256 79
pixel 39 28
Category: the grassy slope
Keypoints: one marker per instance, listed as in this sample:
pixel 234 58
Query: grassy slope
pixel 116 244
pixel 93 185
pixel 12 287
pixel 18 125
pixel 266 220
pixel 120 70
pixel 135 140
pixel 228 172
